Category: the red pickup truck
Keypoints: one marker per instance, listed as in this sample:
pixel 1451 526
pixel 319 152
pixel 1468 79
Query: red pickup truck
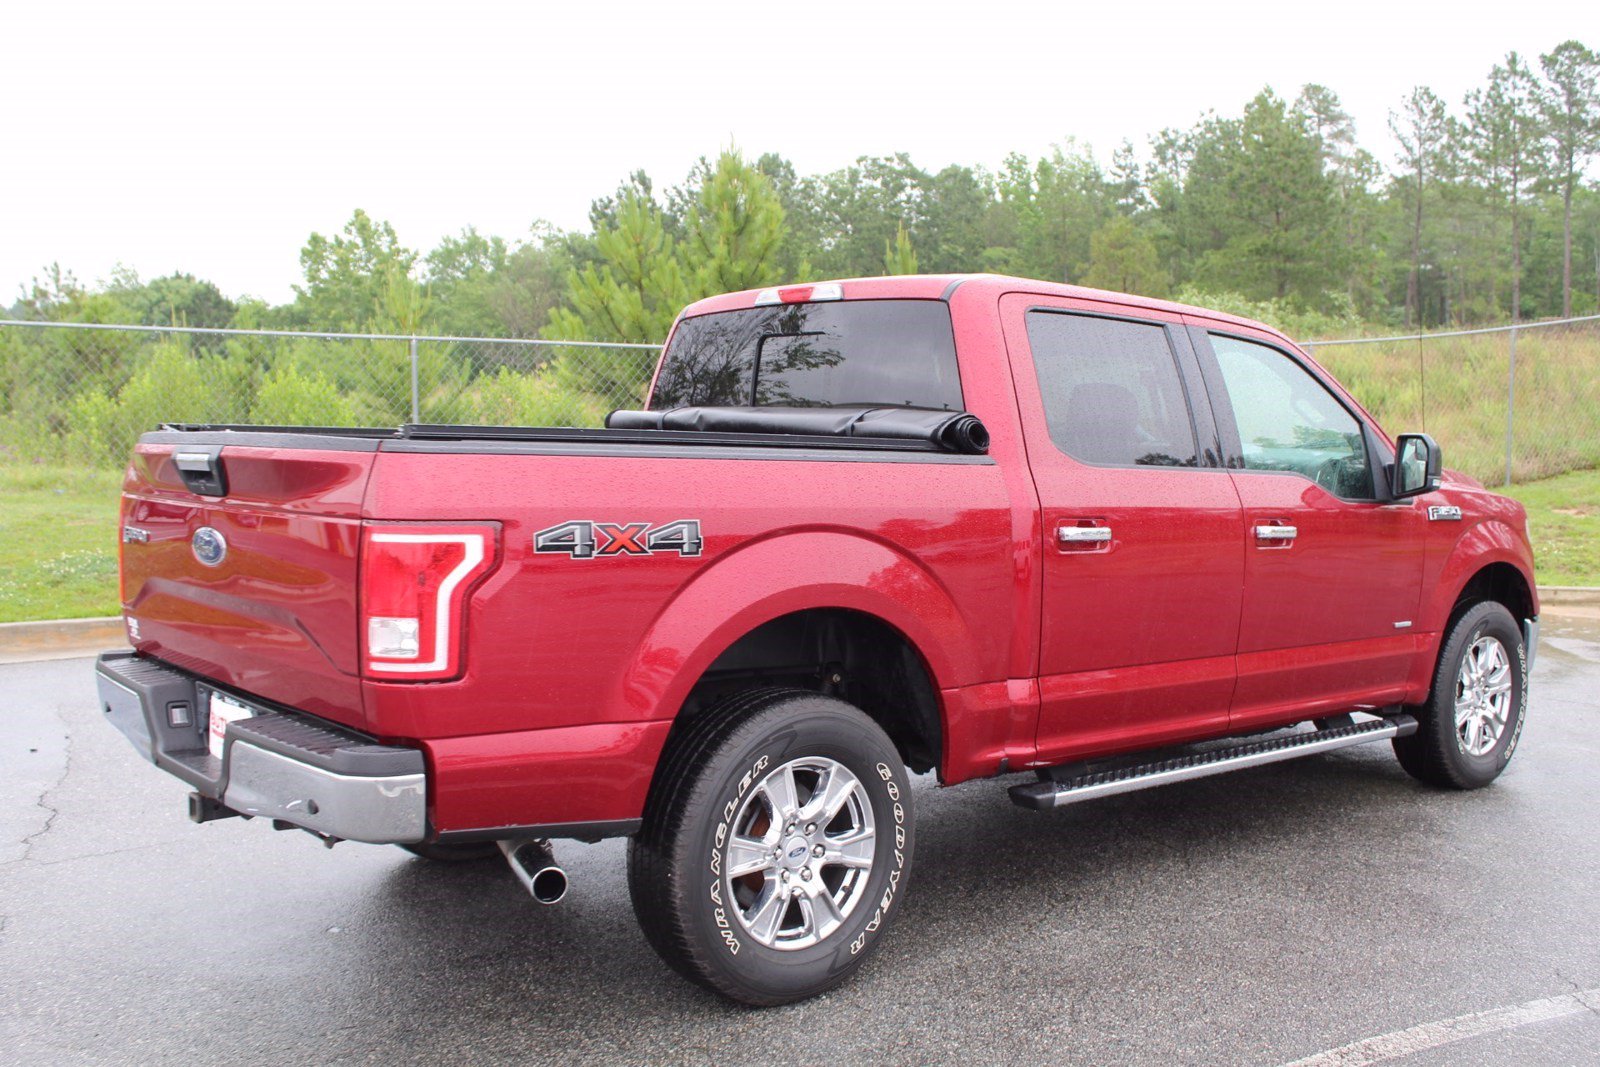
pixel 978 526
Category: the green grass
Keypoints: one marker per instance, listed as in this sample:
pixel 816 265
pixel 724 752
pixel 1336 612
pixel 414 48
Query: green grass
pixel 58 542
pixel 58 537
pixel 1564 518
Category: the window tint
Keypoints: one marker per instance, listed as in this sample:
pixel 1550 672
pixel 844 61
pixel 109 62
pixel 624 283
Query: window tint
pixel 1111 391
pixel 889 353
pixel 1288 421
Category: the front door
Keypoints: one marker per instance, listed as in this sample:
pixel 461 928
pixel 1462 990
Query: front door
pixel 1143 553
pixel 1333 571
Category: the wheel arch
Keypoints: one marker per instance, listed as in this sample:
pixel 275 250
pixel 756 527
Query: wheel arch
pixel 1489 562
pixel 847 600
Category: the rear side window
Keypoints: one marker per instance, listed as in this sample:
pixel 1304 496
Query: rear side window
pixel 1111 391
pixel 875 353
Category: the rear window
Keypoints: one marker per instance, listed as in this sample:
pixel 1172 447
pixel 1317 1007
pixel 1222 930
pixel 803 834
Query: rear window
pixel 878 353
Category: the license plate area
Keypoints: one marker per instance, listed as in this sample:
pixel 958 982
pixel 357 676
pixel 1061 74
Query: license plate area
pixel 221 710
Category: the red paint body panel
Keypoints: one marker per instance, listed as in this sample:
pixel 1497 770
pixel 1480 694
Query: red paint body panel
pixel 277 618
pixel 1178 629
pixel 594 773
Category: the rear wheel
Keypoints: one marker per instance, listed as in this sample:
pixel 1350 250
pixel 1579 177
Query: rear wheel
pixel 1468 730
pixel 776 845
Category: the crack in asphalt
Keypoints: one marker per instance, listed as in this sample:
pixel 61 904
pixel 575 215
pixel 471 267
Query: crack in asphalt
pixel 42 800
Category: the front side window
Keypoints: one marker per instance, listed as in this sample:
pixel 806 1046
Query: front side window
pixel 1112 396
pixel 1288 421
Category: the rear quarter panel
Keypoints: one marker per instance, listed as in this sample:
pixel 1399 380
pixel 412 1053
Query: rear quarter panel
pixel 576 667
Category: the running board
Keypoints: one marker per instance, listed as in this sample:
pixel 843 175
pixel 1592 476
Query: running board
pixel 1055 794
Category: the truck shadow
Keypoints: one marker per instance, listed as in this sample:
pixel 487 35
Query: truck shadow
pixel 1109 875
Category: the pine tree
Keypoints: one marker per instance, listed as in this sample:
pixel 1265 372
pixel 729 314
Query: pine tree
pixel 637 289
pixel 1124 260
pixel 1421 126
pixel 1570 105
pixel 900 257
pixel 1506 146
pixel 735 230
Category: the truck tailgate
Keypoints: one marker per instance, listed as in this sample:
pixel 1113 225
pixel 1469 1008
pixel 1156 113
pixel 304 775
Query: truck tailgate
pixel 265 599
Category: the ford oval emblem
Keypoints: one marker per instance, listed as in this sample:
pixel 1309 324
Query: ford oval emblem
pixel 209 546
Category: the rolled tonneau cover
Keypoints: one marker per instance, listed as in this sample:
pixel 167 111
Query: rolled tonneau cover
pixel 953 431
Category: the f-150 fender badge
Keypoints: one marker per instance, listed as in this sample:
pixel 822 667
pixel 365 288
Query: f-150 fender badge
pixel 583 539
pixel 1444 513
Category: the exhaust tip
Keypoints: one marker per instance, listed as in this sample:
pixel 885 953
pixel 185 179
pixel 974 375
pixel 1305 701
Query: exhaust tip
pixel 549 885
pixel 535 867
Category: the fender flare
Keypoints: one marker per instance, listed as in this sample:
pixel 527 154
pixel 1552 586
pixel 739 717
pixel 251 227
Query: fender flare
pixel 779 575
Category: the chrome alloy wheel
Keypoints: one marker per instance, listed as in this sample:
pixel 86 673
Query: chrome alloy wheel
pixel 799 856
pixel 1483 696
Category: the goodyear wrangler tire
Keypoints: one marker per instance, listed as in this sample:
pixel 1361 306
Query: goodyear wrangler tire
pixel 1469 728
pixel 776 846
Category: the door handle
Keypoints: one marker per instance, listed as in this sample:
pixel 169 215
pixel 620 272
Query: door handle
pixel 1083 535
pixel 1276 532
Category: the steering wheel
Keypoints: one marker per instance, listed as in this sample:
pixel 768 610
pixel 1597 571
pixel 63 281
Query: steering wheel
pixel 1330 473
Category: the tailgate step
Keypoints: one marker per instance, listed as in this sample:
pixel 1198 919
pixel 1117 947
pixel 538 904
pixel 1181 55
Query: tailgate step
pixel 1057 793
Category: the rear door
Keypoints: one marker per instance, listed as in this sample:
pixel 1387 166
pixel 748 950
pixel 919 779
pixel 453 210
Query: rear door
pixel 1333 571
pixel 1144 555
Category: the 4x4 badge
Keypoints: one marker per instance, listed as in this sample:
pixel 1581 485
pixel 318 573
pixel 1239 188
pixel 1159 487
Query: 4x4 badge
pixel 1444 513
pixel 583 539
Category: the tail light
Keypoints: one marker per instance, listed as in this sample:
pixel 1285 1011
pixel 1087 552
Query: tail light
pixel 415 580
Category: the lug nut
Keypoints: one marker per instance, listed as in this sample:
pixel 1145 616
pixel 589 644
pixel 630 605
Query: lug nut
pixel 811 827
pixel 805 873
pixel 817 852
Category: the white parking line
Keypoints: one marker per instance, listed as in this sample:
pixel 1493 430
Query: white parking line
pixel 1447 1031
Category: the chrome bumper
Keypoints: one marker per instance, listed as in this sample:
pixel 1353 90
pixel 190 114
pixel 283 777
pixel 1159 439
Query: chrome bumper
pixel 275 764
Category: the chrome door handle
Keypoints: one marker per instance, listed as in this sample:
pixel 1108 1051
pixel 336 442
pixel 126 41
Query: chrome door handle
pixel 1083 535
pixel 1275 532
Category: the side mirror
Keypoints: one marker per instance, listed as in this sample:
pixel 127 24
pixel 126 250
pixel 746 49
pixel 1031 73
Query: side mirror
pixel 1417 466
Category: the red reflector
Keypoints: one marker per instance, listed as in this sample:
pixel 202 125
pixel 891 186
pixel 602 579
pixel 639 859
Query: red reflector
pixel 414 585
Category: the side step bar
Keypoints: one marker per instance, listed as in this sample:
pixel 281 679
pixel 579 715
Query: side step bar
pixel 1055 794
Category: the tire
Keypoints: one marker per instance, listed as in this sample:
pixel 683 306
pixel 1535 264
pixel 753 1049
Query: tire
pixel 1472 754
pixel 469 853
pixel 713 799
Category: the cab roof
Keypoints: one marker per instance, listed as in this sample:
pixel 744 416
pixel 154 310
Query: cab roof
pixel 943 286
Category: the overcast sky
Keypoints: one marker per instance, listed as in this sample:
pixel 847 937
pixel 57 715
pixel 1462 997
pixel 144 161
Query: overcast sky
pixel 212 138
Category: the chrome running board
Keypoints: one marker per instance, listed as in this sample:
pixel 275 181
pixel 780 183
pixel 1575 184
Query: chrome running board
pixel 1055 794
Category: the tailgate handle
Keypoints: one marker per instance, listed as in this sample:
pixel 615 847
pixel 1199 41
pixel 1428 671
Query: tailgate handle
pixel 201 469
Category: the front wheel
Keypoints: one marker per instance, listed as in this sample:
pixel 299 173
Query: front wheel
pixel 1468 730
pixel 776 845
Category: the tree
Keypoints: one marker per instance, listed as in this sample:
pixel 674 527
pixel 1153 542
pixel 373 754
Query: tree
pixel 635 291
pixel 1124 260
pixel 1505 146
pixel 347 276
pixel 1570 107
pixel 860 207
pixel 1127 181
pixel 899 258
pixel 734 230
pixel 1258 207
pixel 1421 126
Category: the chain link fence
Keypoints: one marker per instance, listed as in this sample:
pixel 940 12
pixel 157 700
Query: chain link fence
pixel 1508 404
pixel 81 394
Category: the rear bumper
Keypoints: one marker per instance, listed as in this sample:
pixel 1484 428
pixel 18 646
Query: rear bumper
pixel 277 764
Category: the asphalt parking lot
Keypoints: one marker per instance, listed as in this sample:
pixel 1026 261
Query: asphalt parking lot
pixel 1254 918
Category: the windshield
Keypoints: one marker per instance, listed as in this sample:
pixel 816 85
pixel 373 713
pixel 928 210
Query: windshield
pixel 874 353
